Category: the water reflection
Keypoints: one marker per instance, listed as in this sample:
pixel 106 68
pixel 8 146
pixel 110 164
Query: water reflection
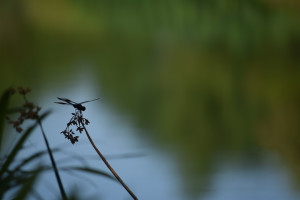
pixel 267 179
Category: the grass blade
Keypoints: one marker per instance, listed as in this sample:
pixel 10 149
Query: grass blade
pixel 7 179
pixel 61 188
pixel 91 170
pixel 26 188
pixel 18 146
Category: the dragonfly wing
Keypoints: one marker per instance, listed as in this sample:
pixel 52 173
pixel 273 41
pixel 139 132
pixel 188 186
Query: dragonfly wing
pixel 66 100
pixel 89 101
pixel 62 103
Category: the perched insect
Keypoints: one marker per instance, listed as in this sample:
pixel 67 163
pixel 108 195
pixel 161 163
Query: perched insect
pixel 78 106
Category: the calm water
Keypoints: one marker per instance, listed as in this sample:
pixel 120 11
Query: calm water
pixel 152 173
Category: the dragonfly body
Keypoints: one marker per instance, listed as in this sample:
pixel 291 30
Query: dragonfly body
pixel 77 106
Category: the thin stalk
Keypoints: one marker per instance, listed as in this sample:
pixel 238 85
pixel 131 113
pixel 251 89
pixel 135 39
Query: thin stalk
pixel 108 165
pixel 62 191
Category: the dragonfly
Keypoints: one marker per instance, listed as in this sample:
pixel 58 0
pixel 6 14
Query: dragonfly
pixel 78 106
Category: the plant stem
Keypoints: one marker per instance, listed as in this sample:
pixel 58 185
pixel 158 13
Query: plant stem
pixel 108 165
pixel 62 191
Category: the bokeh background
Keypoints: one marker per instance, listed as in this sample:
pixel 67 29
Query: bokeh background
pixel 211 85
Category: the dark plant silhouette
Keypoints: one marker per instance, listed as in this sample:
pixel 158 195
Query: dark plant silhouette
pixel 79 122
pixel 76 118
pixel 14 172
pixel 29 111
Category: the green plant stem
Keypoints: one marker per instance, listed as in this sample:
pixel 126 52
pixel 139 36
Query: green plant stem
pixel 108 165
pixel 62 191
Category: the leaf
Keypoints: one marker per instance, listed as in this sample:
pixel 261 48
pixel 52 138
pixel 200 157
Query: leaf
pixel 18 146
pixel 28 184
pixel 32 158
pixel 91 170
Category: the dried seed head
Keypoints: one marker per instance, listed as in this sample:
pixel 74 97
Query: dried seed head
pixel 23 91
pixel 28 110
pixel 76 120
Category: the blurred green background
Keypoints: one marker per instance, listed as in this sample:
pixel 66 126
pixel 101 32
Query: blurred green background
pixel 204 78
